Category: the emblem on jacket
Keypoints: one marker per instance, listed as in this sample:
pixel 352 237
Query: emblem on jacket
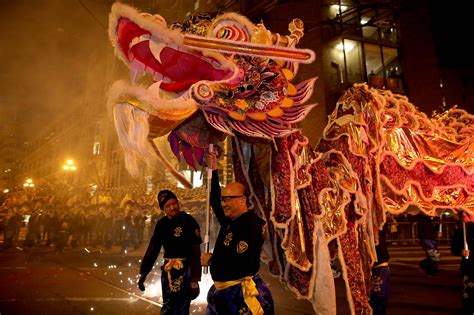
pixel 177 231
pixel 242 247
pixel 228 239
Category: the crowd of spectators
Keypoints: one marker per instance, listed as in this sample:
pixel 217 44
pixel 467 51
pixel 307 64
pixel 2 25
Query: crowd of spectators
pixel 59 222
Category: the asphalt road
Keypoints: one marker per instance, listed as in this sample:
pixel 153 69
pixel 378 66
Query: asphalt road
pixel 90 281
pixel 79 282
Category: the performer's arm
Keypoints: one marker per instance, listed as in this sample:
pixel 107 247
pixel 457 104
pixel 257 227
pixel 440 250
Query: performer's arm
pixel 216 198
pixel 195 263
pixel 152 252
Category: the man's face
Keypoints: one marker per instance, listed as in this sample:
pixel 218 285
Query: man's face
pixel 171 208
pixel 233 200
pixel 232 205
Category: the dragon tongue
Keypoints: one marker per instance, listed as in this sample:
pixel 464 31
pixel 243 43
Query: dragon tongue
pixel 177 86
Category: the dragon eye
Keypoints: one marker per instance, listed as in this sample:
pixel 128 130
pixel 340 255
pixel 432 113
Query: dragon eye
pixel 249 87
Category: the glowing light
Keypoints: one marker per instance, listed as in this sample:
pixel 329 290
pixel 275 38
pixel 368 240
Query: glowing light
pixel 92 309
pixel 6 191
pixel 364 20
pixel 95 265
pixel 153 290
pixel 69 166
pixel 28 183
pixel 346 46
pixel 337 7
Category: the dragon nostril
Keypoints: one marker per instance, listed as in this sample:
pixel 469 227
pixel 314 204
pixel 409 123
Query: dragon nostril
pixel 249 87
pixel 230 94
pixel 241 89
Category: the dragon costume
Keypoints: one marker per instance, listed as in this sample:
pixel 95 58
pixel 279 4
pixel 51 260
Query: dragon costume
pixel 222 76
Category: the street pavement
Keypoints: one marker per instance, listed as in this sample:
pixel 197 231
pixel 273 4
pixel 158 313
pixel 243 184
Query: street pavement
pixel 412 292
pixel 96 281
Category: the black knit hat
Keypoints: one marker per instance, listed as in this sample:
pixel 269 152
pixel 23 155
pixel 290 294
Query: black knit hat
pixel 164 196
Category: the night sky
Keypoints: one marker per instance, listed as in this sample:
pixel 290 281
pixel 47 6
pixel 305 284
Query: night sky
pixel 453 26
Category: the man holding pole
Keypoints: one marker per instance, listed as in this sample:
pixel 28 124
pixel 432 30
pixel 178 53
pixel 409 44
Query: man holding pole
pixel 235 261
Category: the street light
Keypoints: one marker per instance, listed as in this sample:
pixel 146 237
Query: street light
pixel 28 183
pixel 69 166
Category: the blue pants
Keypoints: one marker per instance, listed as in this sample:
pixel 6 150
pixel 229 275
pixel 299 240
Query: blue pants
pixel 176 298
pixel 231 300
pixel 379 285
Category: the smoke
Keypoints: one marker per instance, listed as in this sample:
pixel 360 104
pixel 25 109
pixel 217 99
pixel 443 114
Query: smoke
pixel 45 57
pixel 53 57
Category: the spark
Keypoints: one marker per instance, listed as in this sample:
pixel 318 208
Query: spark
pixel 153 290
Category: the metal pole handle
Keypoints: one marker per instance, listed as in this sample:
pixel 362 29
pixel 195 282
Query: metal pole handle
pixel 466 247
pixel 208 210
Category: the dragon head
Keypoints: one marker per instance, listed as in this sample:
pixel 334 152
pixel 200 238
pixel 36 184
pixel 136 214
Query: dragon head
pixel 223 71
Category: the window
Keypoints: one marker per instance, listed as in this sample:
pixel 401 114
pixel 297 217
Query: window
pixel 346 54
pixel 374 66
pixel 383 67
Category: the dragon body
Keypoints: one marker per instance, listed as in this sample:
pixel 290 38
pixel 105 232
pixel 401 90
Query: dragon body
pixel 223 76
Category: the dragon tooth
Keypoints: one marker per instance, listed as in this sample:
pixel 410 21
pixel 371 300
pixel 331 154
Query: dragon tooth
pixel 138 40
pixel 167 80
pixel 157 76
pixel 156 47
pixel 133 75
pixel 136 70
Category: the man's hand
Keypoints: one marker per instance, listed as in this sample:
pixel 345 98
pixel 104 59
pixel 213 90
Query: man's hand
pixel 465 253
pixel 211 160
pixel 141 282
pixel 206 259
pixel 194 290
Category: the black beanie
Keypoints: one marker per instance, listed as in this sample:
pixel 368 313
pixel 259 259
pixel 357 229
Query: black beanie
pixel 164 196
